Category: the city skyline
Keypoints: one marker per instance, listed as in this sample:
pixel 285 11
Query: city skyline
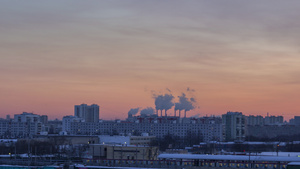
pixel 236 56
pixel 148 112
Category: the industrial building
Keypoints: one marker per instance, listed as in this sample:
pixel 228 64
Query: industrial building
pixel 125 151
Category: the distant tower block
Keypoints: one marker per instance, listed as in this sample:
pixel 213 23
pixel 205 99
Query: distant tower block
pixel 88 113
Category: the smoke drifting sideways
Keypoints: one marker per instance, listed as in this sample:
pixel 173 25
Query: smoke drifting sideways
pixel 163 102
pixel 185 103
pixel 147 111
pixel 133 111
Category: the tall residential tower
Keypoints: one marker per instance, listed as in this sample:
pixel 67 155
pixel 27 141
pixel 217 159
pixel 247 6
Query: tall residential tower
pixel 86 112
pixel 234 124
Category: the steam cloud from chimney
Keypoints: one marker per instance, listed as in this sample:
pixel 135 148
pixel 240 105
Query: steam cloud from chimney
pixel 133 111
pixel 185 103
pixel 164 102
pixel 147 111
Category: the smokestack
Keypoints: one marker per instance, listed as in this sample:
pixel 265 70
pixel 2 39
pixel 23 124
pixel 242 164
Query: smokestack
pixel 174 112
pixel 163 102
pixel 185 104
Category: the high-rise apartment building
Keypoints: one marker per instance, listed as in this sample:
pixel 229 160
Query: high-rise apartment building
pixel 234 126
pixel 44 119
pixel 255 120
pixel 23 125
pixel 86 112
pixel 26 117
pixel 296 120
pixel 273 120
pixel 260 120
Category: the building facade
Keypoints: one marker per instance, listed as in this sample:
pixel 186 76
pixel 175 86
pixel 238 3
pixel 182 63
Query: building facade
pixel 255 120
pixel 208 128
pixel 23 125
pixel 123 152
pixel 67 120
pixel 234 125
pixel 130 140
pixel 273 120
pixel 272 131
pixel 295 121
pixel 86 112
pixel 26 117
pixel 12 129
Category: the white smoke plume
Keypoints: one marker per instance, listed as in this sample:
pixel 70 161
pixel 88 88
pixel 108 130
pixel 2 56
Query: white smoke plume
pixel 147 111
pixel 133 111
pixel 164 102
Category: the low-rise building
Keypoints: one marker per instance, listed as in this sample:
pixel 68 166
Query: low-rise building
pixel 70 140
pixel 123 152
pixel 206 128
pixel 272 131
pixel 130 140
pixel 12 129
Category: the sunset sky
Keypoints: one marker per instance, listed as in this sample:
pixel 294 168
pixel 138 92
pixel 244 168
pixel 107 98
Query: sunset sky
pixel 237 55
